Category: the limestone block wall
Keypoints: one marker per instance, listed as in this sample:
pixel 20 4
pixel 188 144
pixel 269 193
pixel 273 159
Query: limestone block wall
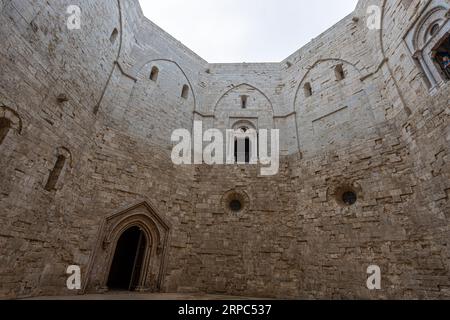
pixel 376 128
pixel 247 253
pixel 337 112
pixel 156 108
pixel 40 60
pixel 422 118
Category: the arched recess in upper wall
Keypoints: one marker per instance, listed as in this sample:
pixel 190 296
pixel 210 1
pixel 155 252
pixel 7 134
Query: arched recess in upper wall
pixel 304 79
pixel 338 113
pixel 244 102
pixel 141 74
pixel 237 88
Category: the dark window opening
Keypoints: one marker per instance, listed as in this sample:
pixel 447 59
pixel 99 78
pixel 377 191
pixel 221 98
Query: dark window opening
pixel 185 92
pixel 244 102
pixel 5 125
pixel 340 73
pixel 113 36
pixel 349 198
pixel 126 268
pixel 442 57
pixel 308 90
pixel 241 156
pixel 154 74
pixel 55 174
pixel 235 205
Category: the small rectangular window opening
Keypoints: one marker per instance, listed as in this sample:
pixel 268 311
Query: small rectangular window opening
pixel 244 100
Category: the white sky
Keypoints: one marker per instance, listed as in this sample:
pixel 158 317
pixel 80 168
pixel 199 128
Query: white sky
pixel 245 30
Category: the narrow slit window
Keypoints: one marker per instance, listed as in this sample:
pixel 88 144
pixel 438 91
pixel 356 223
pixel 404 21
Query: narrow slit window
pixel 154 74
pixel 56 173
pixel 5 125
pixel 308 89
pixel 185 92
pixel 247 150
pixel 244 100
pixel 340 73
pixel 113 36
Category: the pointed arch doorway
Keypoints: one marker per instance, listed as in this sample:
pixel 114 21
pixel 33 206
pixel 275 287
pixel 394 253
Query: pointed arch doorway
pixel 126 268
pixel 131 251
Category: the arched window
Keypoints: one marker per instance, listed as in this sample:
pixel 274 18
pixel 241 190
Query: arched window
pixel 113 36
pixel 55 173
pixel 308 89
pixel 339 72
pixel 154 74
pixel 5 126
pixel 185 92
pixel 242 147
pixel 428 43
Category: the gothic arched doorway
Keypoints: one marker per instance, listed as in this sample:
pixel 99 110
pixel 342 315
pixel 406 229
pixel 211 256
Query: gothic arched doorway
pixel 126 268
pixel 131 251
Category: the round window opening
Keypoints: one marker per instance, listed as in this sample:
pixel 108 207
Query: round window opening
pixel 349 198
pixel 235 202
pixel 235 205
pixel 434 29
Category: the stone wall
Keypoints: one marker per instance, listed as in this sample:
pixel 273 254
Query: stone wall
pixel 379 131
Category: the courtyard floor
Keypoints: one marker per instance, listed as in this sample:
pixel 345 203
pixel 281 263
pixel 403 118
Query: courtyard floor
pixel 144 296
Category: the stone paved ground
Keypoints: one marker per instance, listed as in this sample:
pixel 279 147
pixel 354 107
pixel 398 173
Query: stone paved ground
pixel 144 296
pixel 85 154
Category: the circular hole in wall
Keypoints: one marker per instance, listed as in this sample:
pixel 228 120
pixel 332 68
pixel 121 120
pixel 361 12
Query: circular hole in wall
pixel 349 198
pixel 347 195
pixel 235 202
pixel 434 29
pixel 235 205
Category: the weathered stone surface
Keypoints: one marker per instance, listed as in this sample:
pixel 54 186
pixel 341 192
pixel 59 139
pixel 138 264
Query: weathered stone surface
pixel 381 132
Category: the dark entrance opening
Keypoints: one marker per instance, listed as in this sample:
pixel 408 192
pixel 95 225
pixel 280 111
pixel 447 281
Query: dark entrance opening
pixel 126 267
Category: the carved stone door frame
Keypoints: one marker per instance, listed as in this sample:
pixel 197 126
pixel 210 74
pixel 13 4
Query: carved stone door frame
pixel 157 233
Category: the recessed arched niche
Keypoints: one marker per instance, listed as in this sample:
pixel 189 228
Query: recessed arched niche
pixel 162 94
pixel 332 107
pixel 244 102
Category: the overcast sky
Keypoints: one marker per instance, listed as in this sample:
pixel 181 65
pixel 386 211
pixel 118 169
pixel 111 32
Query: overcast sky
pixel 245 30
